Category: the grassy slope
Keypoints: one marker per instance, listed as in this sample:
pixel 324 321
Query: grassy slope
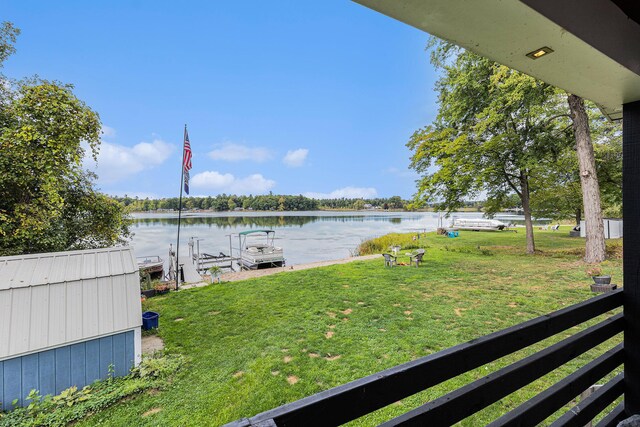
pixel 246 339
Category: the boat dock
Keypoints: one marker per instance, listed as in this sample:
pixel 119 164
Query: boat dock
pixel 191 274
pixel 205 261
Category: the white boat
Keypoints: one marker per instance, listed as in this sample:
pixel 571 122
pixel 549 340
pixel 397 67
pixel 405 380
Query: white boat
pixel 257 250
pixel 477 224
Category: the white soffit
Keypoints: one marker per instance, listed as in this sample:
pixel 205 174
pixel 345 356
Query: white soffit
pixel 505 31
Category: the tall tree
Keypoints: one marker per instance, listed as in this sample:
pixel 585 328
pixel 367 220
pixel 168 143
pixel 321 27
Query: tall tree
pixel 47 201
pixel 595 250
pixel 494 127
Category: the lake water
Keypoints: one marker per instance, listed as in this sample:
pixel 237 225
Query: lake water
pixel 304 236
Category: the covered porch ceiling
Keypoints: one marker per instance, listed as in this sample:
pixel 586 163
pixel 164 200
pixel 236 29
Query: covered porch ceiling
pixel 595 43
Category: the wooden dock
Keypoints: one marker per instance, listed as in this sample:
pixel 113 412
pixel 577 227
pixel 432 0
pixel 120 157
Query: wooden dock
pixel 190 273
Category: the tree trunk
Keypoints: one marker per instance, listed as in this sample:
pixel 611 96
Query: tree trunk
pixel 526 207
pixel 595 250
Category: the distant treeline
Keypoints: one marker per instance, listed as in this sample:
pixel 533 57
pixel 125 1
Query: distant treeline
pixel 270 202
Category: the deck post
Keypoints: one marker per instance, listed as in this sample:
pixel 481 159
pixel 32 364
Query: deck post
pixel 631 257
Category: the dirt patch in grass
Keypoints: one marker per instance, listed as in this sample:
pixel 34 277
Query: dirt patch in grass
pixel 332 358
pixel 330 314
pixel 347 311
pixel 292 379
pixel 151 344
pixel 238 374
pixel 275 373
pixel 287 359
pixel 329 334
pixel 151 412
pixel 458 311
pixel 314 355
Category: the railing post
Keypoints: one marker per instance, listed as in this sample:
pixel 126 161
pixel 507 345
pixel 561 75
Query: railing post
pixel 631 257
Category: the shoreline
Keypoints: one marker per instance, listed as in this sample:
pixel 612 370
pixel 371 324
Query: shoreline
pixel 242 275
pixel 235 276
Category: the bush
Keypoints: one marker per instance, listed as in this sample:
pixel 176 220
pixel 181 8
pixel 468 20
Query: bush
pixel 382 244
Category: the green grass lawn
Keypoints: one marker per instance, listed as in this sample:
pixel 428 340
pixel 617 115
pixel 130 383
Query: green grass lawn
pixel 260 343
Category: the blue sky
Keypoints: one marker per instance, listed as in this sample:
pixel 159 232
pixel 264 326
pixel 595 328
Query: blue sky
pixel 294 97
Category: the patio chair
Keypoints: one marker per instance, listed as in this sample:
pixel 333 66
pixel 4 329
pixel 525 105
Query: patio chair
pixel 416 257
pixel 389 260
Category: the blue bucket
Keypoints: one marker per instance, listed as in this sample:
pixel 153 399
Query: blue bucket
pixel 149 320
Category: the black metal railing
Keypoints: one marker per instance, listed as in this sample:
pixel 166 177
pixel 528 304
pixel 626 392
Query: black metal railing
pixel 350 401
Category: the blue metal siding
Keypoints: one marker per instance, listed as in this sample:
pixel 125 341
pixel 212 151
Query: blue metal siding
pixel 12 381
pixel 1 383
pixel 30 372
pixel 79 365
pixel 47 372
pixel 92 360
pixel 53 371
pixel 106 356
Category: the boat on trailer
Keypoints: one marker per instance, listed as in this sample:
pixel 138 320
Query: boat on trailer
pixel 258 251
pixel 477 224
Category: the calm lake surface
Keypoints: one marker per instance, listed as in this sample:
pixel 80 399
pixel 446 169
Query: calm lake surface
pixel 304 236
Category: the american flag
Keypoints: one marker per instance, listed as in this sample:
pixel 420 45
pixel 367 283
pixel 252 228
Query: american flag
pixel 186 160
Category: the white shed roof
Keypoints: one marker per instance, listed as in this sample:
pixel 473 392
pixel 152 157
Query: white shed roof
pixel 57 267
pixel 53 299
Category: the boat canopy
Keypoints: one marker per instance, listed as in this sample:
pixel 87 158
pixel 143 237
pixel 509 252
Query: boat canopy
pixel 244 233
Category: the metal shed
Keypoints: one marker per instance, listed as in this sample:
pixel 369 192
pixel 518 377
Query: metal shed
pixel 67 318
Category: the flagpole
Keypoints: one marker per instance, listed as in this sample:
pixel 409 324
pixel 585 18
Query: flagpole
pixel 180 210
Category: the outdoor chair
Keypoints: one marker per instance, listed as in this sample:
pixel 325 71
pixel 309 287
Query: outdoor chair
pixel 389 260
pixel 416 257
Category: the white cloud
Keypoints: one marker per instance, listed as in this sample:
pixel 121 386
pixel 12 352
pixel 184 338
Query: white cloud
pixel 108 132
pixel 295 158
pixel 227 183
pixel 232 152
pixel 117 162
pixel 347 193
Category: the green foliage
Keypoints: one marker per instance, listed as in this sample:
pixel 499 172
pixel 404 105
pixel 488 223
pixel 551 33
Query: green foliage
pixel 495 127
pixel 270 202
pixel 556 189
pixel 8 35
pixel 47 201
pixel 73 404
pixel 383 244
pixel 159 368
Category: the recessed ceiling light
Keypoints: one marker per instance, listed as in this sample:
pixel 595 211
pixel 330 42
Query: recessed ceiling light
pixel 539 53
